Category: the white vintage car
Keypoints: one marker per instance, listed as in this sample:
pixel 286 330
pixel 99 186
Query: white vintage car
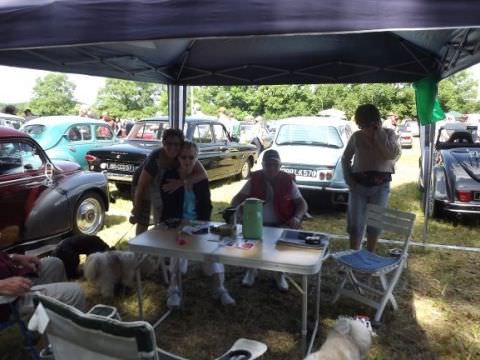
pixel 311 148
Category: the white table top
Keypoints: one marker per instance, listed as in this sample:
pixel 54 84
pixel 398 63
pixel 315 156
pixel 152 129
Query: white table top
pixel 264 255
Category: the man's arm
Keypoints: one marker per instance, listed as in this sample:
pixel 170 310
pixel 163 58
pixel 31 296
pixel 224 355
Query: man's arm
pixel 347 161
pixel 198 174
pixel 301 208
pixel 243 194
pixel 387 143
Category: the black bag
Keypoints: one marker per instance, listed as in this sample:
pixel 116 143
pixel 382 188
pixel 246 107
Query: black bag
pixel 372 178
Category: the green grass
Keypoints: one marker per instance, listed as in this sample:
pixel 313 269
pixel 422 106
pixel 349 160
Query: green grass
pixel 438 294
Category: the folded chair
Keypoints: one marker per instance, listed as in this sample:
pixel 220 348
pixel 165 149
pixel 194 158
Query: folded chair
pixel 377 270
pixel 75 335
pixel 16 319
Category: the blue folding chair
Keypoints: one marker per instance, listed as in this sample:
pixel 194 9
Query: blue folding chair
pixel 372 266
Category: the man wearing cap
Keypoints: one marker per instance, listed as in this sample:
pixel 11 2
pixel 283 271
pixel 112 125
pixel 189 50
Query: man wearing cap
pixel 284 205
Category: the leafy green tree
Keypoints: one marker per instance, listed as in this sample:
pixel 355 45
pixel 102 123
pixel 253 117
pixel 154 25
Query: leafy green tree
pixel 459 93
pixel 131 99
pixel 53 95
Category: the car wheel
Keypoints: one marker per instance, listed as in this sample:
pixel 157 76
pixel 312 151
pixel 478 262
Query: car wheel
pixel 123 188
pixel 246 169
pixel 89 214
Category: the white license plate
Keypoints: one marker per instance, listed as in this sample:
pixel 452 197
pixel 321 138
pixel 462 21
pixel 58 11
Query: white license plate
pixel 301 172
pixel 121 167
pixel 476 195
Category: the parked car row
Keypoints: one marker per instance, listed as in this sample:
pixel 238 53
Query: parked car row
pixel 220 156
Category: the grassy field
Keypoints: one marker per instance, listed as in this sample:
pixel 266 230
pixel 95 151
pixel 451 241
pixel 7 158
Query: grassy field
pixel 439 315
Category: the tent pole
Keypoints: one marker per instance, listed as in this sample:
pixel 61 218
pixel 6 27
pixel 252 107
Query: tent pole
pixel 427 180
pixel 176 105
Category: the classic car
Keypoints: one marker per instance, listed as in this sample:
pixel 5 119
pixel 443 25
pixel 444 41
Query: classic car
pixel 69 137
pixel 413 127
pixel 42 201
pixel 455 180
pixel 255 134
pixel 220 156
pixel 405 136
pixel 311 149
pixel 11 121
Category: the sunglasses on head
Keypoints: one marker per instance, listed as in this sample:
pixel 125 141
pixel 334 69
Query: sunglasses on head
pixel 187 157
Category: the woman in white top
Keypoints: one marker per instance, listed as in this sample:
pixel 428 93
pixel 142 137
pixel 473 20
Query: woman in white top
pixel 374 151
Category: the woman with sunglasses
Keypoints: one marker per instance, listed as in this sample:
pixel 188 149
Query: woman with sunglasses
pixel 191 202
pixel 147 189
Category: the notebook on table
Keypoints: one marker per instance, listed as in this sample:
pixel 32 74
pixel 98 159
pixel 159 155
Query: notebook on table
pixel 304 239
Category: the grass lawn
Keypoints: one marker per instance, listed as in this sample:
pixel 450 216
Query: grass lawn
pixel 438 294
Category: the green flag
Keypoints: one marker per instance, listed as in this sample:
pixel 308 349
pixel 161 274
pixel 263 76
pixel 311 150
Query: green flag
pixel 428 106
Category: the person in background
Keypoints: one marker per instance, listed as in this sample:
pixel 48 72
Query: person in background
pixel 284 205
pixel 10 109
pixel 190 202
pixel 368 163
pixel 225 119
pixel 28 114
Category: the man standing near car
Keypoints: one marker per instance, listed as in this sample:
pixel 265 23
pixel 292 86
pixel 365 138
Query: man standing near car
pixel 284 205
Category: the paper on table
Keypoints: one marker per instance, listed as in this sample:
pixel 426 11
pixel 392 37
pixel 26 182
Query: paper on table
pixel 193 229
pixel 239 243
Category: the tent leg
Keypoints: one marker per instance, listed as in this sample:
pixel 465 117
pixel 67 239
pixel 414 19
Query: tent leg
pixel 427 180
pixel 177 96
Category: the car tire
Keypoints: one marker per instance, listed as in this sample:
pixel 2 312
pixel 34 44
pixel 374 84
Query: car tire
pixel 124 188
pixel 246 170
pixel 89 214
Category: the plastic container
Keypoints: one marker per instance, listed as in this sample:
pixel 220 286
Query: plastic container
pixel 253 219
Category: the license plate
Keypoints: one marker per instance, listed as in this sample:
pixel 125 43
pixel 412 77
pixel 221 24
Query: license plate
pixel 301 172
pixel 476 195
pixel 121 167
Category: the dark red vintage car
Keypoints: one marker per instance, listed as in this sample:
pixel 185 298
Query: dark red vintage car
pixel 42 201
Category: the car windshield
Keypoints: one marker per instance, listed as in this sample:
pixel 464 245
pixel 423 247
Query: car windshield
pixel 147 131
pixel 35 131
pixel 446 135
pixel 303 134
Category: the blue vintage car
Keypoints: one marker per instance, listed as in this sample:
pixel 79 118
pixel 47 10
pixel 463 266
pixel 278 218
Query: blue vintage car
pixel 69 137
pixel 311 148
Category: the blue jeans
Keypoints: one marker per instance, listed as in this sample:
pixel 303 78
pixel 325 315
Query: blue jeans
pixel 358 199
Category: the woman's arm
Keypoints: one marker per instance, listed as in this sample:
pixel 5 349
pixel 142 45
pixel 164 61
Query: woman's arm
pixel 143 183
pixel 387 143
pixel 347 161
pixel 198 174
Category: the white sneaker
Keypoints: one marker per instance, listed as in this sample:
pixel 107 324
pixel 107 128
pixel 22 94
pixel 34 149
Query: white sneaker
pixel 174 298
pixel 224 297
pixel 281 282
pixel 249 277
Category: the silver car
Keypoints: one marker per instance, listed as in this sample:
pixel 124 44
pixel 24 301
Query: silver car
pixel 311 149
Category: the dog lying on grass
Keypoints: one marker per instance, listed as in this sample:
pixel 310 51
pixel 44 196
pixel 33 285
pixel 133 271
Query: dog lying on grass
pixel 110 268
pixel 349 339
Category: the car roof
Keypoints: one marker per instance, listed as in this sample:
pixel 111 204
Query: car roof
pixel 10 116
pixel 313 120
pixel 189 119
pixel 6 132
pixel 62 120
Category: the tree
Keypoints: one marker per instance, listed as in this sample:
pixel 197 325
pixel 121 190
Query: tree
pixel 53 95
pixel 458 93
pixel 131 99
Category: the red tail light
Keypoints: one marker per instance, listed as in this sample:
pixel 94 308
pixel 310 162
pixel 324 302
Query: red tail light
pixel 464 196
pixel 90 158
pixel 322 176
pixel 329 176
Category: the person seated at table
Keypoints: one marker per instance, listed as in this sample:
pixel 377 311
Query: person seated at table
pixel 284 205
pixel 190 202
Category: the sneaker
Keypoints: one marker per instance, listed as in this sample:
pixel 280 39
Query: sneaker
pixel 281 282
pixel 174 298
pixel 224 297
pixel 249 277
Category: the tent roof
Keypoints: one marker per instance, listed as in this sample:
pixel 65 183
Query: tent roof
pixel 220 42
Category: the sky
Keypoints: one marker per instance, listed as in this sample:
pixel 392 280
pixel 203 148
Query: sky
pixel 18 83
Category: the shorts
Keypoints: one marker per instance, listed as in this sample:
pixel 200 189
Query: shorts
pixel 358 199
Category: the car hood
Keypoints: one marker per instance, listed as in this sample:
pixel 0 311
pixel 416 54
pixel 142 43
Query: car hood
pixel 309 155
pixel 469 160
pixel 66 166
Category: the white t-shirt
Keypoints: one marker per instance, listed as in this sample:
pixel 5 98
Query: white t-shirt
pixel 269 214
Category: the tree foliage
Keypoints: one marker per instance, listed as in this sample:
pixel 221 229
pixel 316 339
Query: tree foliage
pixel 53 95
pixel 131 99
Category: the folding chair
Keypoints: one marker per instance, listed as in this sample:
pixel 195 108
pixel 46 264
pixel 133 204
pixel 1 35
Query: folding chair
pixel 73 335
pixel 372 266
pixel 16 319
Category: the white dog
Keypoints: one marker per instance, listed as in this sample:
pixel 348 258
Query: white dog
pixel 349 339
pixel 107 269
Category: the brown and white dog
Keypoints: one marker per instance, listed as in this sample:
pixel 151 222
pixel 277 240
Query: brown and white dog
pixel 349 339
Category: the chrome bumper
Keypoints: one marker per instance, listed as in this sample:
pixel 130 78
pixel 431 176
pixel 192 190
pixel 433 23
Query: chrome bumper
pixel 462 208
pixel 120 177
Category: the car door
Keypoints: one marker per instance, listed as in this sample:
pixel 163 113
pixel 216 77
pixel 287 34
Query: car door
pixel 104 135
pixel 23 187
pixel 229 162
pixel 209 152
pixel 79 142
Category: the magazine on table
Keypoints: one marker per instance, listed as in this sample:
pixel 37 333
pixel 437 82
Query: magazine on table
pixel 304 239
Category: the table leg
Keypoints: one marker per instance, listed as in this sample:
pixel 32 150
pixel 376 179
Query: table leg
pixel 139 293
pixel 304 312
